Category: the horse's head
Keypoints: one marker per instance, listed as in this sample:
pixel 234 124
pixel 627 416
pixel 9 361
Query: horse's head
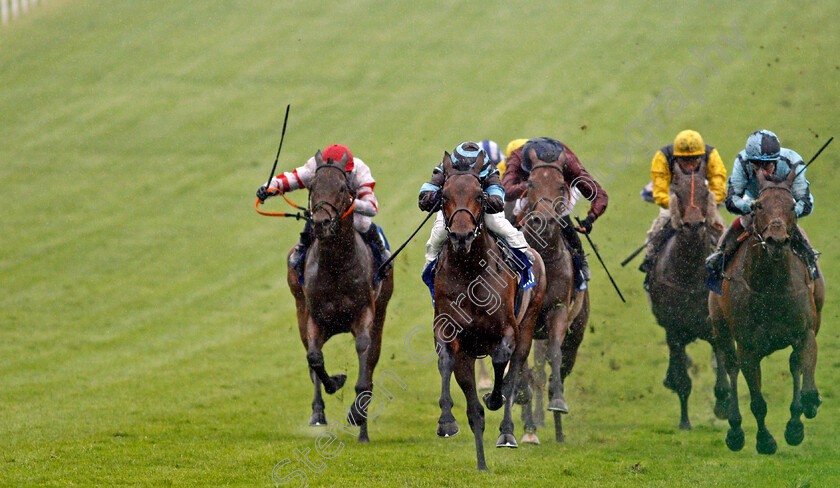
pixel 463 202
pixel 330 196
pixel 690 199
pixel 775 211
pixel 547 194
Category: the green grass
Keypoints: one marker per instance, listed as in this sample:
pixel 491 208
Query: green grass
pixel 147 335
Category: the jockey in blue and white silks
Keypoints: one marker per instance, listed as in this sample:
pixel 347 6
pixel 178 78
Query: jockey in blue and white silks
pixel 494 216
pixel 764 153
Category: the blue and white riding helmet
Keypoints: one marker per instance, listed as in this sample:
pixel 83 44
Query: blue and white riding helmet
pixel 763 145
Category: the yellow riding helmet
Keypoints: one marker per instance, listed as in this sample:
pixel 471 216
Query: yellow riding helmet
pixel 514 145
pixel 689 143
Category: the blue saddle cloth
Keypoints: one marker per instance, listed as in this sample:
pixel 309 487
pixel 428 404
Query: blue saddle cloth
pixel 515 259
pixel 378 259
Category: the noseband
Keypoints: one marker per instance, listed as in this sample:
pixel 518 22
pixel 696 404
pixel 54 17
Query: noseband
pixel 335 214
pixel 755 231
pixel 478 221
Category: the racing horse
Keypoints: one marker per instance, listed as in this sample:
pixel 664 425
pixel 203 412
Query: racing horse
pixel 677 284
pixel 769 302
pixel 474 293
pixel 338 294
pixel 565 310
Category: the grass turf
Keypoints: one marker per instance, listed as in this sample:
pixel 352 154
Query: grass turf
pixel 147 335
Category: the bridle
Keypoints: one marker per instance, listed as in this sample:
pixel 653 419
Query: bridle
pixel 335 215
pixel 478 221
pixel 534 205
pixel 760 235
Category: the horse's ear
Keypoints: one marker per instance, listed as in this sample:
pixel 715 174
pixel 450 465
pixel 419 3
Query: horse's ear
pixel 675 175
pixel 674 208
pixel 319 158
pixel 794 170
pixel 479 163
pixel 762 181
pixel 343 161
pixel 446 163
pixel 532 155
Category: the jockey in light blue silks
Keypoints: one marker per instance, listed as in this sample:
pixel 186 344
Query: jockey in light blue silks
pixel 464 156
pixel 764 153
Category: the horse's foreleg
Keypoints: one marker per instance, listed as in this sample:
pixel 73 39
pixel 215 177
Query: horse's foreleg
pixel 750 365
pixel 810 395
pixel 539 379
pixel 447 426
pixel 558 325
pixel 368 343
pixel 721 382
pixel 735 434
pixel 795 431
pixel 514 379
pixel 315 357
pixel 530 436
pixel 465 376
pixel 677 379
pixel 318 416
pixel 500 356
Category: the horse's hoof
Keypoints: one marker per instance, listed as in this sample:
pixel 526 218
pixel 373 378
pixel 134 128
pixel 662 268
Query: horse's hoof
pixel 317 419
pixel 735 439
pixel 765 443
pixel 447 429
pixel 363 440
pixel 494 403
pixel 810 401
pixel 531 438
pixel 794 432
pixel 558 405
pixel 721 409
pixel 335 383
pixel 560 437
pixel 507 440
pixel 667 383
pixel 685 425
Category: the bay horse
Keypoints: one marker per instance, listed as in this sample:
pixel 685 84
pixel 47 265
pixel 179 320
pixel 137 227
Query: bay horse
pixel 677 284
pixel 474 294
pixel 565 310
pixel 338 294
pixel 769 302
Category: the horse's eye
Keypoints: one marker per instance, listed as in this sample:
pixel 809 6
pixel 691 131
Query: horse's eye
pixel 529 185
pixel 758 205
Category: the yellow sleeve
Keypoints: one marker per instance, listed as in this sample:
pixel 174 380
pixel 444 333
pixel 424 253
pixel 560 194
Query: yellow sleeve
pixel 716 175
pixel 661 176
pixel 502 166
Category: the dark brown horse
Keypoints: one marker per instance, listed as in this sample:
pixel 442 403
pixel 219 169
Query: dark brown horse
pixel 677 284
pixel 474 310
pixel 565 310
pixel 769 302
pixel 338 293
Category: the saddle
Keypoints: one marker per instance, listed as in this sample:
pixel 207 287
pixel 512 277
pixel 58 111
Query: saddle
pixel 514 259
pixel 378 259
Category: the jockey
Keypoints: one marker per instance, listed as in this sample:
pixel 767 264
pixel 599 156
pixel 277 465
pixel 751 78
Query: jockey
pixel 366 205
pixel 579 181
pixel 494 154
pixel 763 153
pixel 689 151
pixel 466 153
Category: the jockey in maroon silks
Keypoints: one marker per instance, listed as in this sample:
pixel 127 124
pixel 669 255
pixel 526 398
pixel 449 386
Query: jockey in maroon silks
pixel 578 180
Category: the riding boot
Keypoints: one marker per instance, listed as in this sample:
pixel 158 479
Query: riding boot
pixel 802 248
pixel 728 245
pixel 373 236
pixel 300 248
pixel 573 238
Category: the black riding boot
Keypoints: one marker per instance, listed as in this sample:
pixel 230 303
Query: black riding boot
pixel 300 248
pixel 802 248
pixel 372 236
pixel 717 260
pixel 573 238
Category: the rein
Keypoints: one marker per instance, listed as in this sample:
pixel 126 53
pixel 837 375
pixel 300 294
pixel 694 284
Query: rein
pixel 323 203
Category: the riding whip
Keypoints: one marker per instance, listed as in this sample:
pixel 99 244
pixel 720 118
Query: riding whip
pixel 282 136
pixel 815 155
pixel 635 253
pixel 602 262
pixel 383 265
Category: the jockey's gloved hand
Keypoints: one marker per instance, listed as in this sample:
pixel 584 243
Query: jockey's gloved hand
pixel 494 203
pixel 262 193
pixel 585 227
pixel 429 200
